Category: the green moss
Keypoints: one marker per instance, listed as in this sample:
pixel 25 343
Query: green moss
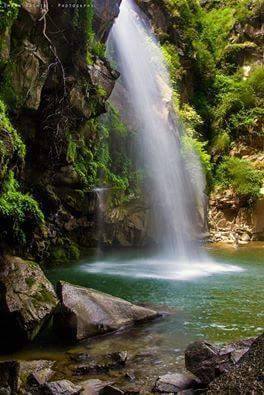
pixel 67 252
pixel 11 145
pixel 43 296
pixel 19 213
pixel 8 12
pixel 30 281
pixel 220 143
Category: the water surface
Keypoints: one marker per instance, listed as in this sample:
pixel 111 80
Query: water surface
pixel 222 303
pixel 220 307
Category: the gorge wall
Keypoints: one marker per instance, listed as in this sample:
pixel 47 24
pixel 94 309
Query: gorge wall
pixel 56 147
pixel 214 50
pixel 55 81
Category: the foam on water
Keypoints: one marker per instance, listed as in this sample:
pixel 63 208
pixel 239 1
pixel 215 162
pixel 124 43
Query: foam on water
pixel 159 269
pixel 174 179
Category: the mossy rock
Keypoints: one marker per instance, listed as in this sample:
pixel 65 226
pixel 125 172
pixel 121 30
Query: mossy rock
pixel 28 300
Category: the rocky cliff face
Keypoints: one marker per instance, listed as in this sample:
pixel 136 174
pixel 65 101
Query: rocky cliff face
pixel 54 84
pixel 214 53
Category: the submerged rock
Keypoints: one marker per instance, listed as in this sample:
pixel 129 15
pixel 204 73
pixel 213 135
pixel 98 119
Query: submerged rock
pixel 174 383
pixel 34 374
pixel 27 299
pixel 99 364
pixel 61 387
pixel 85 312
pixel 207 361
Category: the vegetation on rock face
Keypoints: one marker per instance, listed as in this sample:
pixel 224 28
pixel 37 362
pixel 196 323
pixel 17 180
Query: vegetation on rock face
pixel 19 213
pixel 212 52
pixel 8 12
pixel 240 175
pixel 215 62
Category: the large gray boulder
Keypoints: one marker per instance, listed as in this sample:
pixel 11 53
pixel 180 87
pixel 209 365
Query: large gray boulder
pixel 85 312
pixel 27 300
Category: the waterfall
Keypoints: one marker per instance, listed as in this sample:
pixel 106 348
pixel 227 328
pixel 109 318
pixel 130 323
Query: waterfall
pixel 176 193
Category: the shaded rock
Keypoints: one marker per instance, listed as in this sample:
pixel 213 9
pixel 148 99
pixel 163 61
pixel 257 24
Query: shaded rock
pixel 103 76
pixel 85 312
pixel 27 299
pixel 246 377
pixel 111 390
pixel 27 80
pixel 9 372
pixel 61 387
pixel 33 374
pixel 174 383
pixel 105 13
pixel 130 376
pixel 207 362
pixel 200 359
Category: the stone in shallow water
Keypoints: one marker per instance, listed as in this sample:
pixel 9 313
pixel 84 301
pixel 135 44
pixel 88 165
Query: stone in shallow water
pixel 85 312
pixel 174 383
pixel 98 363
pixel 33 374
pixel 61 387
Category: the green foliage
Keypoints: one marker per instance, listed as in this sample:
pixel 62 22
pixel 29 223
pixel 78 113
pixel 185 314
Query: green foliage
pixel 124 175
pixel 220 143
pixel 19 213
pixel 8 12
pixel 240 103
pixel 190 144
pixel 67 252
pixel 11 146
pixel 173 62
pixel 216 27
pixel 240 175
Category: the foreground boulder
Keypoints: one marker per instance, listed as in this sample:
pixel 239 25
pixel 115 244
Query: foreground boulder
pixel 246 377
pixel 27 299
pixel 207 361
pixel 9 373
pixel 85 312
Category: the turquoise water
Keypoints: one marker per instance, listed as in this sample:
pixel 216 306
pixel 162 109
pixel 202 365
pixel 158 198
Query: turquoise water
pixel 219 307
pixel 220 300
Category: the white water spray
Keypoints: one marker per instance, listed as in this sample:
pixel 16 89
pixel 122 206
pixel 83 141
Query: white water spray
pixel 176 188
pixel 146 78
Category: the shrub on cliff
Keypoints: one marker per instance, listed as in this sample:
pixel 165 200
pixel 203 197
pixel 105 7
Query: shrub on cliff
pixel 19 213
pixel 240 175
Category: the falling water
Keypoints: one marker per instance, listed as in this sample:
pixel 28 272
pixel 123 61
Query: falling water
pixel 146 78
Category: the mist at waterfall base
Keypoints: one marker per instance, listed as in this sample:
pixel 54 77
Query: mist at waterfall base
pixel 175 185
